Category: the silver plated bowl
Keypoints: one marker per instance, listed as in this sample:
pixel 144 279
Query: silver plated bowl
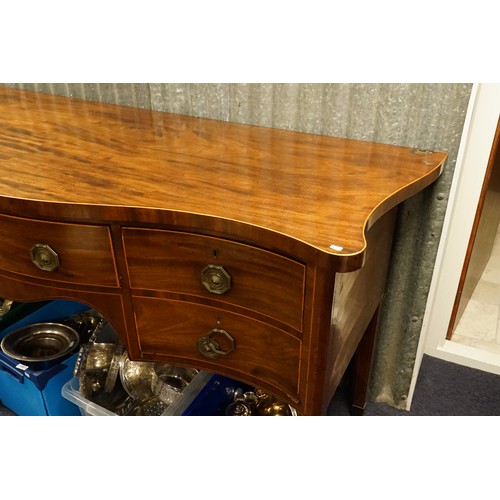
pixel 99 357
pixel 41 345
pixel 177 377
pixel 136 378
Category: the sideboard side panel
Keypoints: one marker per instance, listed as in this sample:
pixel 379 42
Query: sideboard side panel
pixel 356 297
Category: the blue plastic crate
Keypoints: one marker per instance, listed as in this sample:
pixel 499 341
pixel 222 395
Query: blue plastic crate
pixel 214 397
pixel 36 393
pixel 29 392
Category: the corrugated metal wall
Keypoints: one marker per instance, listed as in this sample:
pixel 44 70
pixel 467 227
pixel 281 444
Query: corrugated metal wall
pixel 416 115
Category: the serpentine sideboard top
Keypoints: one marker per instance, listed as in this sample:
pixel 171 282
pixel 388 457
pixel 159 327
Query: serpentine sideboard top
pixel 91 160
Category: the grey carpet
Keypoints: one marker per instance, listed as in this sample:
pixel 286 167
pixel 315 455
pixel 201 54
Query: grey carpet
pixel 442 389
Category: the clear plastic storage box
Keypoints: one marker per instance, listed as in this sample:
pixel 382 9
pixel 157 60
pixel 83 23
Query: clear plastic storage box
pixel 71 392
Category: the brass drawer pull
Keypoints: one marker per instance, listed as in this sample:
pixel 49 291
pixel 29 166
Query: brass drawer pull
pixel 44 257
pixel 211 348
pixel 216 279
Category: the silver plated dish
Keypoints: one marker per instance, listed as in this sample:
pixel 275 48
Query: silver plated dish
pixel 136 378
pixel 41 345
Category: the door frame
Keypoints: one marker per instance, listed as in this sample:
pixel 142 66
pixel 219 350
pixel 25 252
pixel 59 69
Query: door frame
pixel 475 147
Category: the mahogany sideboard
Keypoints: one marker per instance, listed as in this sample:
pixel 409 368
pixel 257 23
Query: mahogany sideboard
pixel 256 253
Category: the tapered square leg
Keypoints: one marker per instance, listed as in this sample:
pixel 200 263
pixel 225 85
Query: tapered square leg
pixel 361 365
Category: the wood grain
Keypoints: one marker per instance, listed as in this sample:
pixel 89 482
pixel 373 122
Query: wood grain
pixel 300 220
pixel 85 252
pixel 261 281
pixel 168 331
pixel 322 191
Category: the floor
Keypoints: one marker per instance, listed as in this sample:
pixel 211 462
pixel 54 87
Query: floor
pixel 479 325
pixel 5 412
pixel 443 389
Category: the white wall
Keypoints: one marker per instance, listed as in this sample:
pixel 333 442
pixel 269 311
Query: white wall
pixel 473 156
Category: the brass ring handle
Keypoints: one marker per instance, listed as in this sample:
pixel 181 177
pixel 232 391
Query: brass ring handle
pixel 211 348
pixel 44 257
pixel 216 279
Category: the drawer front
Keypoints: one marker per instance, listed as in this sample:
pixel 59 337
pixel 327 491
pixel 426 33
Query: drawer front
pixel 71 253
pixel 254 279
pixel 179 329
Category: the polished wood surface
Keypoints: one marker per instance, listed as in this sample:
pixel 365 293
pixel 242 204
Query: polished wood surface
pixel 260 281
pixel 262 355
pixel 357 296
pixel 361 363
pixel 66 151
pixel 84 251
pixel 136 203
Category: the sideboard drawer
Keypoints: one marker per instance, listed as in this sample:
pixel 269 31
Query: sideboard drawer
pixel 72 253
pixel 219 269
pixel 178 329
